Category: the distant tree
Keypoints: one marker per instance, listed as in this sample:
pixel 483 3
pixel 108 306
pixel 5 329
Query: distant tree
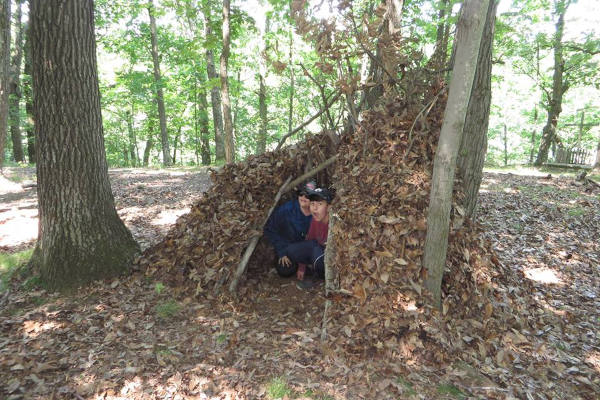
pixel 160 101
pixel 15 87
pixel 468 42
pixel 227 120
pixel 4 73
pixel 81 237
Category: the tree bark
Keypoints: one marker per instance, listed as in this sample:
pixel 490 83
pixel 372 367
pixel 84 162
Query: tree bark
pixel 227 122
pixel 160 101
pixel 81 237
pixel 215 94
pixel 204 127
pixel 597 162
pixel 559 87
pixel 15 88
pixel 474 138
pixel 468 40
pixel 4 73
pixel 27 93
pixel 132 145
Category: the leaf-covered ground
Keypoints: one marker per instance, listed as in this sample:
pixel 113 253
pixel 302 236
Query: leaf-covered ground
pixel 137 337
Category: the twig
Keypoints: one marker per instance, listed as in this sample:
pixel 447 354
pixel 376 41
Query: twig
pixel 311 119
pixel 312 172
pixel 324 322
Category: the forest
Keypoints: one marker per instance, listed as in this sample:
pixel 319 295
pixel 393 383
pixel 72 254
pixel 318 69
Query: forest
pixel 145 143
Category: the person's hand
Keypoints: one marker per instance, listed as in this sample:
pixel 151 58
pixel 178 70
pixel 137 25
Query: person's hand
pixel 285 261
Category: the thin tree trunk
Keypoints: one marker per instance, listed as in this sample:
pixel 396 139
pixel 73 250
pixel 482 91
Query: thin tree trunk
pixel 176 143
pixel 160 101
pixel 505 139
pixel 27 93
pixel 227 122
pixel 15 89
pixel 468 39
pixel 215 94
pixel 292 84
pixel 261 141
pixel 81 237
pixel 535 120
pixel 559 87
pixel 4 73
pixel 597 162
pixel 132 145
pixel 149 143
pixel 204 128
pixel 474 138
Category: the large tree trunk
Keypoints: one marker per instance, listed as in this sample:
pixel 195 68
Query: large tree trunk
pixel 4 73
pixel 81 237
pixel 15 89
pixel 468 40
pixel 215 93
pixel 474 138
pixel 227 122
pixel 559 87
pixel 160 101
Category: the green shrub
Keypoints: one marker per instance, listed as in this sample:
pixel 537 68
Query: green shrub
pixel 167 309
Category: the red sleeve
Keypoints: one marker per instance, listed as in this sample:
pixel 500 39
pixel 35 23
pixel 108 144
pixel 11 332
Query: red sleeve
pixel 318 231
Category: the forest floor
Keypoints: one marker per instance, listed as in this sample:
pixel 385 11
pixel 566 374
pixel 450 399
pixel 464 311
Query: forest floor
pixel 136 338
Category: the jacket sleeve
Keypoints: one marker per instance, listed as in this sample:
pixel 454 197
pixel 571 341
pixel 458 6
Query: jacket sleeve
pixel 273 230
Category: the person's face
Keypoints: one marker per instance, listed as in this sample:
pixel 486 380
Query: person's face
pixel 304 204
pixel 319 210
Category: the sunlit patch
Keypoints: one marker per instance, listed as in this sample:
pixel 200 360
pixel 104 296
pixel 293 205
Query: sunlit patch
pixel 18 226
pixel 543 275
pixel 34 328
pixel 168 217
pixel 593 358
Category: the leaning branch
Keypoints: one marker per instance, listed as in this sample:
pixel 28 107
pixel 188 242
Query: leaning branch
pixel 311 119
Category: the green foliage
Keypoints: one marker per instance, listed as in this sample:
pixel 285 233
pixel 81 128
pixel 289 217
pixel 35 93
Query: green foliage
pixel 278 388
pixel 159 287
pixel 11 264
pixel 167 309
pixel 450 390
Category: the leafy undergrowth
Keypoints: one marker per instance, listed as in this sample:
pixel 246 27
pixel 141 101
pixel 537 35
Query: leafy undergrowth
pixel 140 338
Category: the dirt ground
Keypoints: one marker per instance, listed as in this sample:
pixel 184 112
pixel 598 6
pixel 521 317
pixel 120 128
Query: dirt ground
pixel 136 338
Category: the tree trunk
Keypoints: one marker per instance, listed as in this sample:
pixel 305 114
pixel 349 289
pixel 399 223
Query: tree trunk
pixel 4 73
pixel 132 145
pixel 160 101
pixel 15 89
pixel 215 94
pixel 292 85
pixel 227 122
pixel 439 58
pixel 474 138
pixel 27 93
pixel 597 162
pixel 176 143
pixel 204 127
pixel 81 237
pixel 559 87
pixel 468 40
pixel 261 141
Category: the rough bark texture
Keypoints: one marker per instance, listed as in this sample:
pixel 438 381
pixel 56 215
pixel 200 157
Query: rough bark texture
pixel 474 138
pixel 4 72
pixel 81 237
pixel 554 106
pixel 160 101
pixel 215 93
pixel 468 40
pixel 597 162
pixel 261 140
pixel 15 88
pixel 227 122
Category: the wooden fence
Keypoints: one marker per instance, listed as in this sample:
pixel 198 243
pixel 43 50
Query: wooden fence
pixel 574 156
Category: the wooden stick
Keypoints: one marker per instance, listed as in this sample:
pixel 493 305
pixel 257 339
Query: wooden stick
pixel 324 323
pixel 311 119
pixel 254 241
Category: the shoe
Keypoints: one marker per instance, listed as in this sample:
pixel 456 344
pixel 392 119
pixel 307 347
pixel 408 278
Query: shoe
pixel 305 284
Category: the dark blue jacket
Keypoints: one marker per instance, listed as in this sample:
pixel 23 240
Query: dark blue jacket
pixel 286 225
